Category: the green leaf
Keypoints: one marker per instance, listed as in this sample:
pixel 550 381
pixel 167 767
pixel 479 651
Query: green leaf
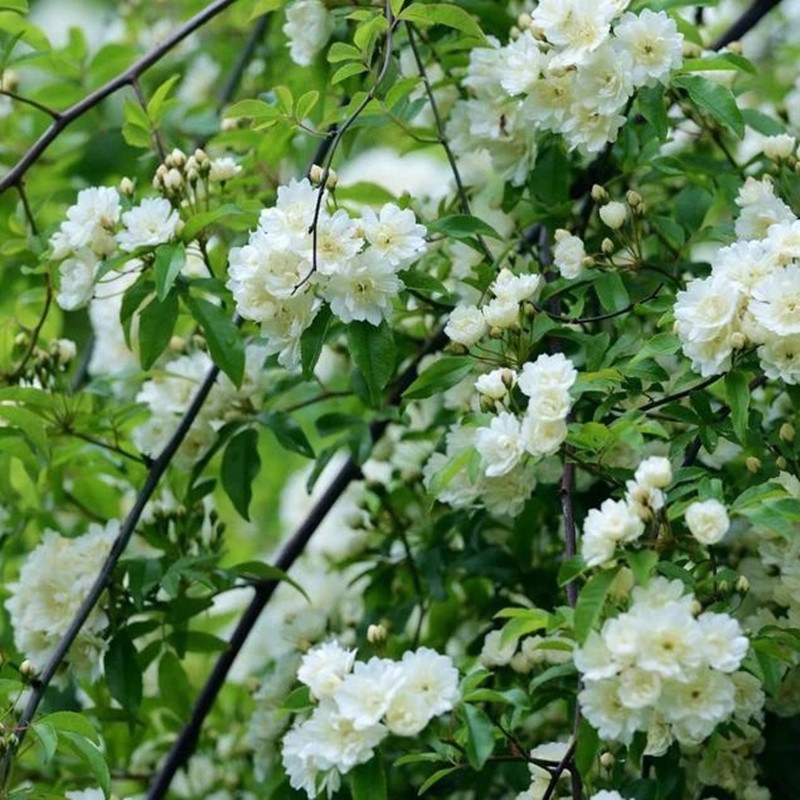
pixel 662 344
pixel 259 571
pixel 252 109
pixel 199 222
pixel 435 778
pixel 261 7
pixel 14 5
pixel 642 563
pixel 737 391
pixel 715 99
pixel 70 722
pixel 288 432
pixel 174 685
pixel 440 376
pixel 590 602
pixel 341 51
pixel 719 61
pixel 123 673
pixel 156 324
pixel 347 71
pixel 445 14
pixel 534 619
pixel 611 291
pixel 240 466
pixel 305 104
pixel 651 103
pixel 158 104
pixel 480 741
pixel 170 260
pixel 222 335
pixel 588 744
pixel 463 226
pixel 90 753
pixel 368 781
pixel 48 739
pixel 313 339
pixel 373 351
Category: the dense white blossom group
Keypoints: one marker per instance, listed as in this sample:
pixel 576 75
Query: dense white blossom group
pixel 359 705
pixel 571 70
pixel 285 272
pixel 752 296
pixel 661 668
pixel 511 443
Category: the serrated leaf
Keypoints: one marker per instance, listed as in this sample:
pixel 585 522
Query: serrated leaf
pixel 170 260
pixel 373 351
pixel 590 602
pixel 451 16
pixel 123 673
pixel 240 466
pixel 222 335
pixel 651 103
pixel 174 685
pixel 713 98
pixel 440 376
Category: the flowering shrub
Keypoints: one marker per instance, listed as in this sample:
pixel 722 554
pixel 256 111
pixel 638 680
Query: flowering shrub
pixel 399 399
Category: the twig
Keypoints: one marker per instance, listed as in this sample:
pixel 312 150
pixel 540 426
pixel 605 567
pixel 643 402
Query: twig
pixel 125 78
pixel 601 317
pixel 33 103
pixel 565 494
pixel 563 765
pixel 48 300
pixel 111 448
pixel 26 207
pixel 154 134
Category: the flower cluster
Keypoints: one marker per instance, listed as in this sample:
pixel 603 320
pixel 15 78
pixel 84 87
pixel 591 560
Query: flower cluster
pixel 660 669
pixel 752 296
pixel 281 277
pixel 622 521
pixel 53 582
pixel 360 703
pixel 568 72
pixel 511 444
pixel 168 393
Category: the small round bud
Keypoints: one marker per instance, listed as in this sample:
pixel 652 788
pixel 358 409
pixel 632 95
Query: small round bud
pixel 126 187
pixel 173 180
pixel 514 32
pixel 177 344
pixel 753 464
pixel 376 634
pixel 599 194
pixel 723 586
pixel 315 174
pixel 737 340
pixel 742 584
pixel 27 670
pixel 9 81
pixel 524 21
pixel 780 462
pixel 735 47
pixel 21 339
pixel 200 156
pixel 607 759
pixel 177 158
pixel 634 199
pixel 333 179
pixel 587 261
pixel 487 403
pixel 786 433
pixel 614 214
pixel 508 377
pixel 64 350
pixel 607 246
pixel 228 124
pixel 496 333
pixel 696 608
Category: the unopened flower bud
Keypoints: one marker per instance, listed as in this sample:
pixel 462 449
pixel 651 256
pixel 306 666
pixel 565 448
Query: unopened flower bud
pixel 780 147
pixel 333 179
pixel 735 47
pixel 496 333
pixel 507 376
pixel 607 759
pixel 780 462
pixel 599 194
pixel 752 463
pixel 786 433
pixel 634 199
pixel 607 246
pixel 696 608
pixel 21 339
pixel 487 403
pixel 742 584
pixel 514 32
pixel 315 174
pixel 723 586
pixel 126 187
pixel 173 180
pixel 376 634
pixel 588 262
pixel 200 156
pixel 177 158
pixel 737 340
pixel 524 21
pixel 27 670
pixel 228 124
pixel 64 349
pixel 9 81
pixel 177 344
pixel 614 214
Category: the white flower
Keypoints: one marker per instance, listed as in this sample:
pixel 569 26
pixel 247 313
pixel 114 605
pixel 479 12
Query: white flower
pixel 761 209
pixel 53 582
pixel 594 659
pixel 706 309
pixel 223 169
pixel 707 521
pixel 643 499
pixel 776 301
pixel 778 147
pixel 338 242
pixel 606 794
pixel 152 222
pixel 364 695
pixel 395 234
pixel 76 285
pixel 495 384
pixel 500 445
pixel 614 214
pixel 542 437
pixel 495 654
pixel 724 645
pixel 639 688
pixel 601 705
pixel 429 688
pixel 86 794
pixel 501 313
pixel 547 371
pixel 89 223
pixel 308 26
pixel 652 39
pixel 780 358
pixel 523 64
pixel 568 254
pixel 613 523
pixel 655 471
pixel 324 668
pixel 466 325
pixel 283 323
pixel 576 26
pixel 604 82
pixel 363 289
pixel 668 642
pixel 514 288
pixel 550 404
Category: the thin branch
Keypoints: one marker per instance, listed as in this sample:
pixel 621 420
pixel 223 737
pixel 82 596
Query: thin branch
pixel 26 207
pixel 127 528
pixel 154 133
pixel 601 317
pixel 33 103
pixel 749 19
pixel 185 744
pixel 563 766
pixel 77 110
pixel 670 398
pixel 111 448
pixel 570 532
pixel 48 300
